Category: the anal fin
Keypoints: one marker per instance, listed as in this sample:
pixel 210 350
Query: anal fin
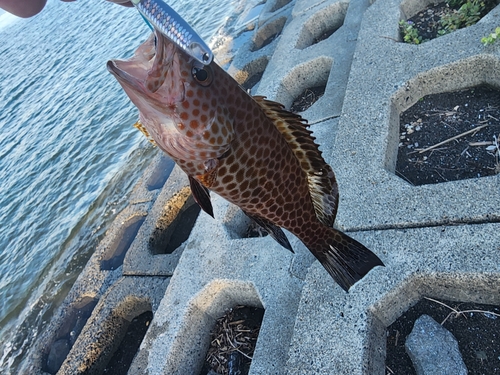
pixel 201 195
pixel 274 231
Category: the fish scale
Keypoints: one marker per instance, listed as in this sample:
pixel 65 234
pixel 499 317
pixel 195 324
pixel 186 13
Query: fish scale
pixel 250 151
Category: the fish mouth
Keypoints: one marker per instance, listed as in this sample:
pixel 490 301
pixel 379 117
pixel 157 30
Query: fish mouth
pixel 131 73
pixel 121 74
pixel 145 73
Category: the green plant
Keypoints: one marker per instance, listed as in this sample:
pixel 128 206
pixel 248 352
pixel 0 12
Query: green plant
pixel 468 14
pixel 471 12
pixel 490 39
pixel 409 32
pixel 454 3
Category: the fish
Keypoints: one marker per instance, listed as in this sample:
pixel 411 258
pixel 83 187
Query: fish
pixel 247 149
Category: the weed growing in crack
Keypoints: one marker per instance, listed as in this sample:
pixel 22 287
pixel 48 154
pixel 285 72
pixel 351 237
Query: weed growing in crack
pixel 490 39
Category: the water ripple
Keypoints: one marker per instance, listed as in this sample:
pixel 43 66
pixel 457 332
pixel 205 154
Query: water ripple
pixel 68 153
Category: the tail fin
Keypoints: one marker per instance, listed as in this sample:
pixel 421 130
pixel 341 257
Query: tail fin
pixel 345 259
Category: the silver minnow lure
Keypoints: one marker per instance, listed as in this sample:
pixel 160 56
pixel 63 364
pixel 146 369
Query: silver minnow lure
pixel 172 25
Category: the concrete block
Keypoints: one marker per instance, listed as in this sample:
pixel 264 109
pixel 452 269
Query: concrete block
pixel 147 254
pixel 215 273
pixel 102 272
pixel 126 299
pixel 152 180
pixel 345 333
pixel 386 78
pixel 70 318
pixel 301 62
pixel 252 58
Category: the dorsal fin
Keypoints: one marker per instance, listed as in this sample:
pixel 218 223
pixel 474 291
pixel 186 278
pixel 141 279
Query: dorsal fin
pixel 322 184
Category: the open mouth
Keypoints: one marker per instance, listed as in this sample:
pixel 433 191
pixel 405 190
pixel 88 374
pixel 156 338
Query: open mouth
pixel 122 75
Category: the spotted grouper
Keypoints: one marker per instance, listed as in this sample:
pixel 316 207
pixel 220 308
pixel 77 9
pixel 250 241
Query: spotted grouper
pixel 249 150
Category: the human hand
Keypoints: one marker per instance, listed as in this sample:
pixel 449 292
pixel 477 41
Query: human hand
pixel 29 8
pixel 126 3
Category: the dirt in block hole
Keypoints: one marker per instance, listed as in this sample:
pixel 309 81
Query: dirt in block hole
pixel 233 341
pixel 450 136
pixel 476 328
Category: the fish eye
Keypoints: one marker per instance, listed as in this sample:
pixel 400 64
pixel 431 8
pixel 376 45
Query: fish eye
pixel 204 75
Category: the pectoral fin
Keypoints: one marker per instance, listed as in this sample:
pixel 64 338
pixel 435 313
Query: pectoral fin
pixel 201 196
pixel 274 231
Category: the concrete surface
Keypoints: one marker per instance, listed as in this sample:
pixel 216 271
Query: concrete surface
pixel 440 240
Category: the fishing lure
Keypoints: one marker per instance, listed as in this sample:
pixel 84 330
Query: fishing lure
pixel 172 25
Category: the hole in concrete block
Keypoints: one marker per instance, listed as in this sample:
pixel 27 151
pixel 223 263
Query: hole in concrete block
pixel 306 77
pixel 278 4
pixel 160 173
pixel 252 80
pixel 475 71
pixel 444 125
pixel 233 341
pixel 108 332
pixel 322 25
pixel 193 338
pixel 467 288
pixel 475 330
pixel 307 98
pixel 74 320
pixel 238 225
pixel 267 33
pixel 253 72
pixel 176 223
pixel 114 255
pixel 122 358
pixel 427 20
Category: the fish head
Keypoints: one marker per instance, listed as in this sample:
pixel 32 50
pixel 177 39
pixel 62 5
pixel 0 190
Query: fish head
pixel 178 104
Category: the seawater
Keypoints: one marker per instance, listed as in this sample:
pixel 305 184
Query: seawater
pixel 69 155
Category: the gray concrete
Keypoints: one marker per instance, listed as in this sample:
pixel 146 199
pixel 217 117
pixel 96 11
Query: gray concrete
pixel 141 258
pixel 439 241
pixel 104 331
pixel 386 78
pixel 335 332
pixel 214 274
pixel 339 333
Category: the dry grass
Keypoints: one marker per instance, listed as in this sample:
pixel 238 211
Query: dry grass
pixel 233 341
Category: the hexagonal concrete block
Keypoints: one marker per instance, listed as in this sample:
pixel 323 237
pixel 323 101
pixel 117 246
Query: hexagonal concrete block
pixel 147 255
pixel 386 78
pixel 101 336
pixel 215 273
pixel 345 333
